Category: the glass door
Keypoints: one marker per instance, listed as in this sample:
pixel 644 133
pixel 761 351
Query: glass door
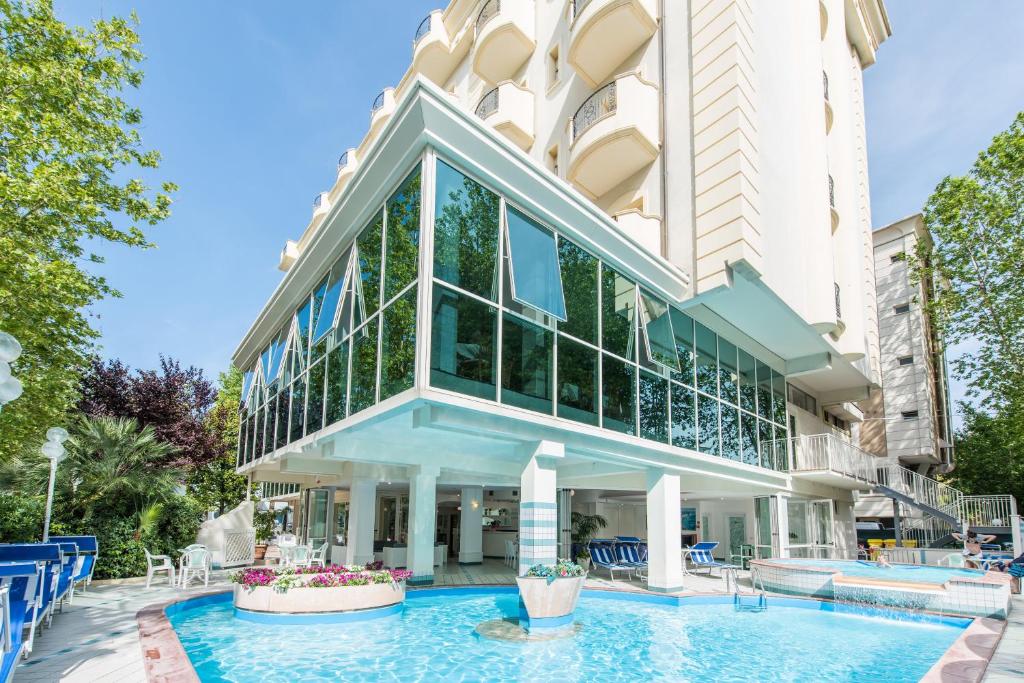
pixel 766 525
pixel 737 534
pixel 317 510
pixel 822 526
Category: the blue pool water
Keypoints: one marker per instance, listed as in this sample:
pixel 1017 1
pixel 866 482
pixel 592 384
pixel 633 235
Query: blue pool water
pixel 897 572
pixel 434 639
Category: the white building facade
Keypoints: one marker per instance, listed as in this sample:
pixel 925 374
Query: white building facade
pixel 611 257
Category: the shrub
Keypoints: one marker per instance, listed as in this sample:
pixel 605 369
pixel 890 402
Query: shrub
pixel 21 518
pixel 121 554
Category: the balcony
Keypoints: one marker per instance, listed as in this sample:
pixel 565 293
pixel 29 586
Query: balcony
pixel 827 459
pixel 435 54
pixel 604 33
pixel 823 18
pixel 614 134
pixel 504 38
pixel 321 205
pixel 288 255
pixel 347 164
pixel 509 109
pixel 643 228
pixel 382 108
pixel 828 105
pixel 832 202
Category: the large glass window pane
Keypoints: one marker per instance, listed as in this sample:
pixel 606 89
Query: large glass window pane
pixel 246 386
pixel 398 346
pixel 682 329
pixel 535 276
pixel 748 382
pixel 684 423
pixel 315 401
pixel 618 395
pixel 298 417
pixel 764 391
pixel 337 382
pixel 769 450
pixel 707 359
pixel 283 412
pixel 463 344
pixel 257 433
pixel 577 381
pixel 368 282
pixel 579 280
pixel 364 368
pixel 300 359
pixel 274 355
pixel 661 345
pixel 778 398
pixel 730 432
pixel 326 307
pixel 727 372
pixel 748 438
pixel 618 308
pixel 707 425
pixel 526 365
pixel 653 407
pixel 402 241
pixel 465 233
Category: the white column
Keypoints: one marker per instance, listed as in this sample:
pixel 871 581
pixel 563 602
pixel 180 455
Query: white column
pixel 664 532
pixel 362 508
pixel 422 524
pixel 538 510
pixel 471 529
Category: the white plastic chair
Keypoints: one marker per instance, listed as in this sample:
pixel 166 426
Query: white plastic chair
pixel 195 562
pixel 184 551
pixel 158 563
pixel 302 556
pixel 318 556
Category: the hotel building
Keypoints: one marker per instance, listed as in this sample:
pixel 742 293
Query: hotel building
pixel 606 256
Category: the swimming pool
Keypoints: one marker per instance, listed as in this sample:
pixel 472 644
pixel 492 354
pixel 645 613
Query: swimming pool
pixel 897 572
pixel 651 638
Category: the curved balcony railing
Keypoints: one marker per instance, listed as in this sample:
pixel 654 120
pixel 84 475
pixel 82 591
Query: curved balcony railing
pixel 422 30
pixel 839 307
pixel 578 6
pixel 824 77
pixel 490 10
pixel 318 200
pixel 599 105
pixel 343 160
pixel 831 191
pixel 378 102
pixel 488 104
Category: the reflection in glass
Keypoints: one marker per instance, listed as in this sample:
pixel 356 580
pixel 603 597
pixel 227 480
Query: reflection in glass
pixel 327 310
pixel 579 280
pixel 369 266
pixel 778 398
pixel 402 242
pixel 618 398
pixel 363 393
pixel 300 357
pixel 526 365
pixel 684 423
pixel 533 259
pixel 769 450
pixel 748 438
pixel 337 382
pixel 707 425
pixel 577 381
pixel 398 346
pixel 748 382
pixel 661 346
pixel 727 379
pixel 315 401
pixel 682 329
pixel 730 432
pixel 283 412
pixel 707 360
pixel 298 416
pixel 463 344
pixel 618 308
pixel 465 233
pixel 653 407
pixel 764 391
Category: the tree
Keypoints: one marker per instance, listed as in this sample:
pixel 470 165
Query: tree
pixel 174 401
pixel 988 457
pixel 215 484
pixel 68 145
pixel 975 262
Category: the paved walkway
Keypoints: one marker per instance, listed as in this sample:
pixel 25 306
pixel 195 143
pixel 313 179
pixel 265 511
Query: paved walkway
pixel 1008 662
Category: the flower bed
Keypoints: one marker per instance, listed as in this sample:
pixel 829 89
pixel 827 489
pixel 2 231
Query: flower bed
pixel 306 590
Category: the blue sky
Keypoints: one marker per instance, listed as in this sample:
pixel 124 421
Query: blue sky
pixel 251 103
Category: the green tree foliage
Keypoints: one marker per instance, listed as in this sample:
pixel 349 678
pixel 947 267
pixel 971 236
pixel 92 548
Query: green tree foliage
pixel 68 144
pixel 21 517
pixel 215 485
pixel 988 460
pixel 975 261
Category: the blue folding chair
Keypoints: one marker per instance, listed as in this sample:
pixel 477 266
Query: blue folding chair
pixel 47 559
pixel 66 580
pixel 700 556
pixel 85 565
pixel 601 556
pixel 20 582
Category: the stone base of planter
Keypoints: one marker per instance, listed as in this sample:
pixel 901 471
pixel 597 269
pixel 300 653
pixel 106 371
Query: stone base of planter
pixel 380 599
pixel 544 605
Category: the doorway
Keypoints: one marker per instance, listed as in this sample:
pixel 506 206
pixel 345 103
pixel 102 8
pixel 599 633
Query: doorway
pixel 737 534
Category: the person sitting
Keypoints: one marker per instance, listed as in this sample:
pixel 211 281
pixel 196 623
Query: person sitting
pixel 972 547
pixel 883 561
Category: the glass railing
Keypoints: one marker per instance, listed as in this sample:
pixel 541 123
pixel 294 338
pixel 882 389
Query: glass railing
pixel 343 160
pixel 378 102
pixel 599 105
pixel 490 10
pixel 488 104
pixel 422 30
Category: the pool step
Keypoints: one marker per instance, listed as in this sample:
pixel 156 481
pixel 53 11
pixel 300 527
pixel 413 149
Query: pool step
pixel 741 605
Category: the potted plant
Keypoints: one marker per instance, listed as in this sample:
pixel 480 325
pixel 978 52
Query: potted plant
pixel 583 529
pixel 332 589
pixel 548 594
pixel 263 524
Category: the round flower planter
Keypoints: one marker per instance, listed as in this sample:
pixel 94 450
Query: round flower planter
pixel 312 601
pixel 548 604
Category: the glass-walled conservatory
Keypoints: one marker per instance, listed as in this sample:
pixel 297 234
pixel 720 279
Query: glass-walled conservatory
pixel 519 316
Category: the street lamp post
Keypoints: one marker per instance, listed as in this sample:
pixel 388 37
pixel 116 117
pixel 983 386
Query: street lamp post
pixel 10 387
pixel 53 449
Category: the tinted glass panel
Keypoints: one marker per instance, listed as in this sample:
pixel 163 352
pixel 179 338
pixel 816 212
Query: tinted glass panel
pixel 579 280
pixel 748 382
pixel 364 368
pixel 707 425
pixel 275 355
pixel 748 435
pixel 769 450
pixel 764 391
pixel 707 360
pixel 300 359
pixel 298 417
pixel 315 400
pixel 526 365
pixel 684 424
pixel 727 379
pixel 778 398
pixel 463 344
pixel 653 407
pixel 682 329
pixel 618 399
pixel 618 308
pixel 577 381
pixel 327 311
pixel 258 424
pixel 337 382
pixel 402 242
pixel 536 280
pixel 398 346
pixel 730 432
pixel 465 233
pixel 661 346
pixel 246 385
pixel 369 247
pixel 281 427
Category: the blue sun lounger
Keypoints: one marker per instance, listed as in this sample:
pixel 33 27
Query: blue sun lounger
pixel 65 581
pixel 47 559
pixel 700 556
pixel 20 582
pixel 85 564
pixel 601 555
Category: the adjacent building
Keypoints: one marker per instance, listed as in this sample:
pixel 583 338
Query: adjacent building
pixel 607 256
